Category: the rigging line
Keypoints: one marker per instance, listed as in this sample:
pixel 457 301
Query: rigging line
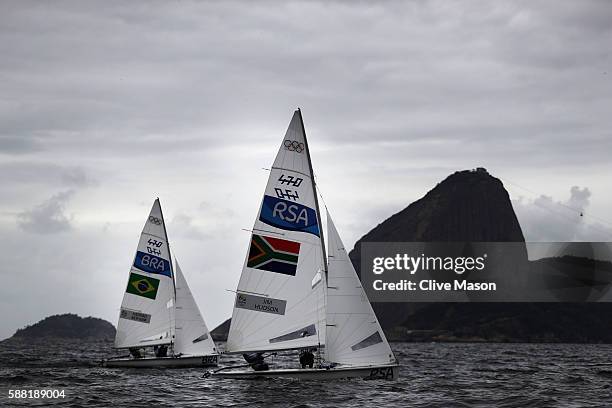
pixel 153 235
pixel 314 191
pixel 321 195
pixel 295 171
pixel 547 208
pixel 582 211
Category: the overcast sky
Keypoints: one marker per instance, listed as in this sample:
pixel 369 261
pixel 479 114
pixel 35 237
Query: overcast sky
pixel 105 106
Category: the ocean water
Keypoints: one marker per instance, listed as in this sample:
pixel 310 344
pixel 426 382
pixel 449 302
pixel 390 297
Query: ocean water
pixel 432 375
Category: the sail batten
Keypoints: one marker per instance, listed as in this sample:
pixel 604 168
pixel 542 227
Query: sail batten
pixel 294 171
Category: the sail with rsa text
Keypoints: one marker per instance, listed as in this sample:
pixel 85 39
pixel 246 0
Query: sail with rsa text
pixel 280 300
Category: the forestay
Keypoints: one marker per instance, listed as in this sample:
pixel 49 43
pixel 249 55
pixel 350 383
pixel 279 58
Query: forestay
pixel 192 336
pixel 146 313
pixel 354 336
pixel 280 300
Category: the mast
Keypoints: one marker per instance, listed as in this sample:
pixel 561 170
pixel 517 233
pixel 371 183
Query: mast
pixel 171 271
pixel 168 244
pixel 314 192
pixel 318 210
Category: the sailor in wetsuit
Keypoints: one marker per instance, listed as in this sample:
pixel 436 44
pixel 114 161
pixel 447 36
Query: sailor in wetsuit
pixel 256 361
pixel 135 352
pixel 307 358
pixel 161 351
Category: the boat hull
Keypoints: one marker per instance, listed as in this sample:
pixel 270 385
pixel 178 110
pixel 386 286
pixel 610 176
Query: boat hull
pixel 387 372
pixel 163 362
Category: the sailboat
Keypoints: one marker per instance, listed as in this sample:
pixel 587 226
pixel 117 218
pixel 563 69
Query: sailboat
pixel 160 322
pixel 291 296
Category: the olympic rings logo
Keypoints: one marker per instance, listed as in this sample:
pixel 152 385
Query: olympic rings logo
pixel 293 146
pixel 155 220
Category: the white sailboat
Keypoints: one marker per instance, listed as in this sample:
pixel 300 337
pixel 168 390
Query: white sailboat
pixel 291 296
pixel 158 310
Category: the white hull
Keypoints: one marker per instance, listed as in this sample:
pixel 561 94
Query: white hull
pixel 386 372
pixel 163 362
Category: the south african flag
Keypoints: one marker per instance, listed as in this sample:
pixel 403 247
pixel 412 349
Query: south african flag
pixel 273 254
pixel 142 286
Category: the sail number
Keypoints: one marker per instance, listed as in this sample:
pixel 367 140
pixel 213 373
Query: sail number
pixel 152 246
pixel 209 360
pixel 155 243
pixel 286 194
pixel 381 374
pixel 290 180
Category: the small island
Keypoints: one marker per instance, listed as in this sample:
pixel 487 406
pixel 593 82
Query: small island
pixel 67 326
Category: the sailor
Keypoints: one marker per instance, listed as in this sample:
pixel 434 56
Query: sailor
pixel 135 352
pixel 256 361
pixel 307 358
pixel 161 351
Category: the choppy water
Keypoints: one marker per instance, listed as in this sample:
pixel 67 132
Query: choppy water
pixel 432 375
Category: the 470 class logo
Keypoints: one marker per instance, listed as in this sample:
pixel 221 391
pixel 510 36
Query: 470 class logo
pixel 288 215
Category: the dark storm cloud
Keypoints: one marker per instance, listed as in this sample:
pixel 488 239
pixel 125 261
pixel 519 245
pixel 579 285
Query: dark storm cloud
pixel 482 72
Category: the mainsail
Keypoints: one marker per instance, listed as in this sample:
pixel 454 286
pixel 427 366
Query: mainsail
pixel 146 312
pixel 280 300
pixel 192 336
pixel 354 336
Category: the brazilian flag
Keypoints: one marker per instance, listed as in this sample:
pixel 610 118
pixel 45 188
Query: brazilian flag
pixel 142 286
